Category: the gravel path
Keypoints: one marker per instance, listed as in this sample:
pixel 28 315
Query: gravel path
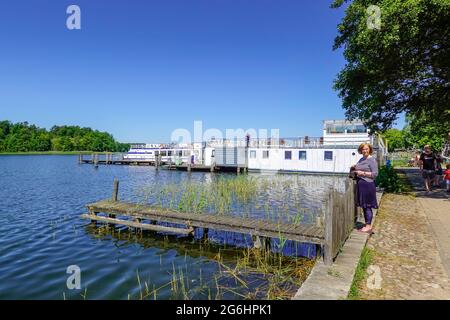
pixel 411 246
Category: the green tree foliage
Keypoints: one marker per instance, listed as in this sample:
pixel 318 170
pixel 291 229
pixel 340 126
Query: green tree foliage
pixel 419 131
pixel 396 139
pixel 23 137
pixel 402 67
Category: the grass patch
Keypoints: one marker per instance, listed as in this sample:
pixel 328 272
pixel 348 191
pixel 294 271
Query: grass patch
pixel 361 271
pixel 404 182
pixel 400 163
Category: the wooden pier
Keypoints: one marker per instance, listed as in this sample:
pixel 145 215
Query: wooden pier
pixel 339 222
pixel 97 159
pixel 113 159
pixel 200 167
pixel 189 167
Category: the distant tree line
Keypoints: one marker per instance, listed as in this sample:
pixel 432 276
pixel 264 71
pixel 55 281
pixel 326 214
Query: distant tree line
pixel 24 137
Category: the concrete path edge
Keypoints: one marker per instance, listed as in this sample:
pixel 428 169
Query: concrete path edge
pixel 334 282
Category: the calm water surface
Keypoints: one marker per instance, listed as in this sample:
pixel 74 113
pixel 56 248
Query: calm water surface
pixel 41 233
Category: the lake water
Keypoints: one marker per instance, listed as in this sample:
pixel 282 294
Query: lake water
pixel 41 233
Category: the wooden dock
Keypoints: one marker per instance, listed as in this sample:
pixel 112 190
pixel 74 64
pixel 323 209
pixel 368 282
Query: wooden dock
pixel 118 159
pixel 113 159
pixel 189 167
pixel 140 213
pixel 339 222
pixel 200 167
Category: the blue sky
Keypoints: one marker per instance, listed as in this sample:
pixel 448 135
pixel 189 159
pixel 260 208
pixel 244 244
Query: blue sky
pixel 140 69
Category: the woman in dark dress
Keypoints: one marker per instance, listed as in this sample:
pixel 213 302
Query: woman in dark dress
pixel 366 171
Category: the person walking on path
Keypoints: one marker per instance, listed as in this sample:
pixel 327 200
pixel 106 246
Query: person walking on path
pixel 428 167
pixel 366 171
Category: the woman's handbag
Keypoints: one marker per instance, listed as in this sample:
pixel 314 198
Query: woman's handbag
pixel 352 173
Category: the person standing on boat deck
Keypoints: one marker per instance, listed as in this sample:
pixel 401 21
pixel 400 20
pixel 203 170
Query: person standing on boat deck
pixel 428 167
pixel 366 171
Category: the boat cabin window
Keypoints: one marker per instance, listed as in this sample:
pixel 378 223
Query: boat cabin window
pixel 335 128
pixel 252 154
pixel 266 154
pixel 288 155
pixel 163 153
pixel 328 156
pixel 302 155
pixel 357 128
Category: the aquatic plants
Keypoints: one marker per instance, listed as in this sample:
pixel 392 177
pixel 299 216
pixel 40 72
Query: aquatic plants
pixel 277 198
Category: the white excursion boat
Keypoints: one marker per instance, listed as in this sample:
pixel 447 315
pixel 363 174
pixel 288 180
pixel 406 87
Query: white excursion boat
pixel 195 153
pixel 335 152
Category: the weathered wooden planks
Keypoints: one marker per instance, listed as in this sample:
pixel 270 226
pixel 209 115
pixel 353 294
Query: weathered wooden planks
pixel 339 220
pixel 139 225
pixel 223 223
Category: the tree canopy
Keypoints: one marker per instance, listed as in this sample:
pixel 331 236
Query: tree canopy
pixel 417 133
pixel 396 139
pixel 23 137
pixel 402 67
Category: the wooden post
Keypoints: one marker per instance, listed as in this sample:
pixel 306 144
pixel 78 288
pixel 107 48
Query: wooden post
pixel 189 167
pixel 328 246
pixel 205 234
pixel 318 250
pixel 80 158
pixel 355 197
pixel 116 190
pixel 238 170
pixel 212 168
pixel 257 242
pixel 191 230
pixel 318 222
pixel 96 160
pixel 93 213
pixel 157 162
pixel 267 244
